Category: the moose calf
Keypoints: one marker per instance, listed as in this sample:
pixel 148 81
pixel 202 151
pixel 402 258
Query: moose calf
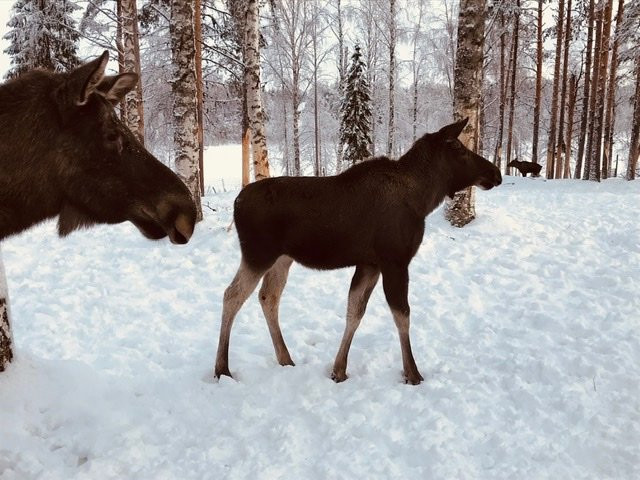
pixel 371 216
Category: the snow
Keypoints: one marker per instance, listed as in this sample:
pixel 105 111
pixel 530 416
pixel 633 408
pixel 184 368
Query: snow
pixel 525 325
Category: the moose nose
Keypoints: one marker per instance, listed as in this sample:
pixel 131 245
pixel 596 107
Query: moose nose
pixel 182 230
pixel 498 178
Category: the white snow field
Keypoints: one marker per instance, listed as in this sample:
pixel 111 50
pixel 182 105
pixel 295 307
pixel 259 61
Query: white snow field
pixel 525 324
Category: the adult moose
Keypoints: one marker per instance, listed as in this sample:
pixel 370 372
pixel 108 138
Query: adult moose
pixel 526 167
pixel 370 216
pixel 63 152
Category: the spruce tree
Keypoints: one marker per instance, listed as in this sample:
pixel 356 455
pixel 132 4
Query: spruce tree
pixel 42 35
pixel 355 127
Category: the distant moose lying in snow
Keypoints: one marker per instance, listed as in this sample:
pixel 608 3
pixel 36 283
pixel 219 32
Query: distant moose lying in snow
pixel 64 152
pixel 526 167
pixel 371 216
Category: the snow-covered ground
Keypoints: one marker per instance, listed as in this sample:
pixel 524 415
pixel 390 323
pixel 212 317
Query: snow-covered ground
pixel 525 324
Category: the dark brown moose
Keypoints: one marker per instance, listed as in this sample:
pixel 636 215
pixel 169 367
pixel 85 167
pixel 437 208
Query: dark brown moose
pixel 526 167
pixel 64 152
pixel 371 216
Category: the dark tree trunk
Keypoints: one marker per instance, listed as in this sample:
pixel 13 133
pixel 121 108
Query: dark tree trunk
pixel 536 108
pixel 584 117
pixel 512 96
pixel 561 147
pixel 554 98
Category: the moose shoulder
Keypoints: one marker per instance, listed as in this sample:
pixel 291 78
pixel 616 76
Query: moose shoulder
pixel 64 152
pixel 370 216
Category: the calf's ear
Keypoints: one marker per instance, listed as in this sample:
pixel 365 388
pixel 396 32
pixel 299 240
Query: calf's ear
pixel 114 88
pixel 451 132
pixel 82 82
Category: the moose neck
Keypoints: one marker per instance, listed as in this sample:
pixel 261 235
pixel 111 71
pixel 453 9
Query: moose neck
pixel 430 176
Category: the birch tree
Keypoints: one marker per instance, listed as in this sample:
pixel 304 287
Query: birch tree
pixel 253 85
pixel 466 99
pixel 131 60
pixel 185 116
pixel 392 76
pixel 6 341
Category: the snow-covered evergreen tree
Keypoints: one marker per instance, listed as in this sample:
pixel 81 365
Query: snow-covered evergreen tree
pixel 355 128
pixel 42 35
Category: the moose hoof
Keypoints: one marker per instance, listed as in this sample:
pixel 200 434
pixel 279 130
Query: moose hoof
pixel 413 379
pixel 286 363
pixel 339 377
pixel 219 371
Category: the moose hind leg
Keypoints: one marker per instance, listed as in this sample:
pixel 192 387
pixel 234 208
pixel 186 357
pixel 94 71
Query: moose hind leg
pixel 395 281
pixel 235 295
pixel 362 284
pixel 270 293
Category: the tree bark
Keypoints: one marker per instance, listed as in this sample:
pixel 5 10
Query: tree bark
pixel 512 96
pixel 634 144
pixel 584 117
pixel 197 21
pixel 392 76
pixel 497 159
pixel 467 92
pixel 561 147
pixel 589 168
pixel 536 107
pixel 131 53
pixel 254 90
pixel 185 115
pixel 6 339
pixel 610 117
pixel 554 97
pixel 120 48
pixel 571 107
pixel 342 68
pixel 246 142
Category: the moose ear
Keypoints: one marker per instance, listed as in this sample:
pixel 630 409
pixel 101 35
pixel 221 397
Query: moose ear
pixel 114 88
pixel 80 83
pixel 451 132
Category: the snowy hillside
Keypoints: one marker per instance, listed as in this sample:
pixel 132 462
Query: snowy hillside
pixel 525 324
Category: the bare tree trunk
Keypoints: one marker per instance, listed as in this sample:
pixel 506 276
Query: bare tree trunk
pixel 634 144
pixel 285 121
pixel 467 93
pixel 512 97
pixel 135 115
pixel 342 69
pixel 536 108
pixel 6 339
pixel 392 75
pixel 254 90
pixel 316 126
pixel 589 169
pixel 554 99
pixel 497 159
pixel 595 171
pixel 297 167
pixel 610 117
pixel 571 107
pixel 199 89
pixel 246 142
pixel 586 91
pixel 561 147
pixel 185 114
pixel 120 47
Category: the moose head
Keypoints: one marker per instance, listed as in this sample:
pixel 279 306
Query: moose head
pixel 63 151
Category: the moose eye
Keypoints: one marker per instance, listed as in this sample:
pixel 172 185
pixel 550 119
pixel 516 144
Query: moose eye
pixel 112 137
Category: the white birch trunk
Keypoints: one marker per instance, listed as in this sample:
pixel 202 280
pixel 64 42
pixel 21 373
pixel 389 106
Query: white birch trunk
pixel 467 91
pixel 185 117
pixel 392 77
pixel 131 57
pixel 254 90
pixel 6 340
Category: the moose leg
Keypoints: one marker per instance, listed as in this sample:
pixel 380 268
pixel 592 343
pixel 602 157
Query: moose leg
pixel 272 286
pixel 235 295
pixel 362 284
pixel 395 280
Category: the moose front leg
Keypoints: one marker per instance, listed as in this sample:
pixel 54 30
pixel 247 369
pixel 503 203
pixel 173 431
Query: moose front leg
pixel 362 284
pixel 395 280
